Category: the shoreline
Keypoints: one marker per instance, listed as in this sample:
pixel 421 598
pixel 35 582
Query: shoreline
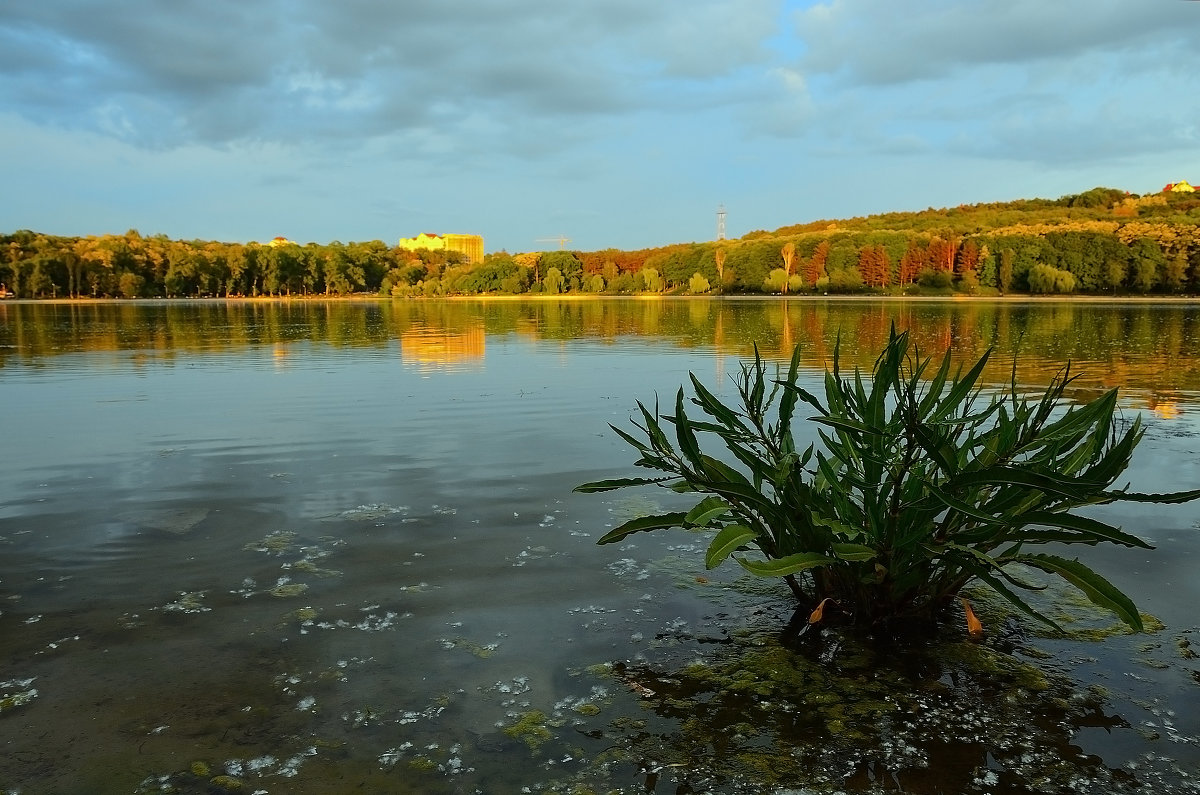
pixel 364 297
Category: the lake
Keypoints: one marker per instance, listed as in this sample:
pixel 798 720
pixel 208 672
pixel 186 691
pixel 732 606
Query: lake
pixel 332 547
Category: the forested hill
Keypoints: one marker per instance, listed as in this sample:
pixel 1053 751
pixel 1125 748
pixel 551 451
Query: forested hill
pixel 1102 241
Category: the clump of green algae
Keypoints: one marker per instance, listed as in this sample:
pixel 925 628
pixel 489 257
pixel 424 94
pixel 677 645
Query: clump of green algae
pixel 531 728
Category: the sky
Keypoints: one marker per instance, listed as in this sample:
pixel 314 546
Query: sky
pixel 612 123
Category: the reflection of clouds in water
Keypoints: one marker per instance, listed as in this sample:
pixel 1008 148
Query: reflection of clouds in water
pixel 360 444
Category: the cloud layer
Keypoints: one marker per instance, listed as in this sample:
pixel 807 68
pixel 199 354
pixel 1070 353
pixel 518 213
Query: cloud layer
pixel 565 111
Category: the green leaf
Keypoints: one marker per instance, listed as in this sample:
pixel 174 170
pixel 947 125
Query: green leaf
pixel 806 396
pixel 848 425
pixel 787 403
pixel 781 567
pixel 960 390
pixel 1090 530
pixel 688 445
pixel 618 483
pixel 855 553
pixel 657 438
pixel 841 528
pixel 1099 590
pixel 1013 598
pixel 939 449
pixel 1070 488
pixel 726 542
pixel 705 511
pixel 1167 498
pixel 642 524
pixel 714 408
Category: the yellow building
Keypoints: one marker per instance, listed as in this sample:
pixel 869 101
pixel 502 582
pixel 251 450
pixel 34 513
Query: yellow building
pixel 469 245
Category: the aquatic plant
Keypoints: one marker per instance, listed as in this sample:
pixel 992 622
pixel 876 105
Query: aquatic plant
pixel 924 481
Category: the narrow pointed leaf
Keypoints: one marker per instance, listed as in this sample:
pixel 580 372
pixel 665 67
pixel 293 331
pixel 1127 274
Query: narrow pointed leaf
pixel 617 483
pixel 642 524
pixel 781 567
pixel 1167 498
pixel 855 553
pixel 1012 597
pixel 1087 527
pixel 1099 590
pixel 726 542
pixel 705 511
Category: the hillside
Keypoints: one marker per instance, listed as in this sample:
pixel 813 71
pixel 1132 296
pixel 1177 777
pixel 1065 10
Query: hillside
pixel 1102 241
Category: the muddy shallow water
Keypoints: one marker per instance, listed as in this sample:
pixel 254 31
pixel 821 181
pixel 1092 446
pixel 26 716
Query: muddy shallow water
pixel 332 547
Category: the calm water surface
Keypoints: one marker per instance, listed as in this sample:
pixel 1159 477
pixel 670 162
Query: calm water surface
pixel 332 547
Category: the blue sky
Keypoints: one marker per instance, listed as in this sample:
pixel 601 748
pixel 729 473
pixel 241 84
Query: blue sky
pixel 621 123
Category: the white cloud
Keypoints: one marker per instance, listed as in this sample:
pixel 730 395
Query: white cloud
pixel 624 122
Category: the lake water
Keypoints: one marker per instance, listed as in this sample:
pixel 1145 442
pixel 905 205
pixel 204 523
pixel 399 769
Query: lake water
pixel 332 547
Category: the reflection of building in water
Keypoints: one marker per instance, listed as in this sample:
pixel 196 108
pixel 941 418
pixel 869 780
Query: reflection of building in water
pixel 469 245
pixel 1164 408
pixel 441 348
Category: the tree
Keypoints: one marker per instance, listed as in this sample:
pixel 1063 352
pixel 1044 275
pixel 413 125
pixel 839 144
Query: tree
pixel 1175 272
pixel 566 262
pixel 846 280
pixel 914 260
pixel 1005 275
pixel 814 268
pixel 531 260
pixel 698 284
pixel 1148 263
pixel 967 258
pixel 1115 272
pixel 1048 279
pixel 652 282
pixel 554 282
pixel 941 254
pixel 874 266
pixel 1145 275
pixel 776 281
pixel 789 259
pixel 131 285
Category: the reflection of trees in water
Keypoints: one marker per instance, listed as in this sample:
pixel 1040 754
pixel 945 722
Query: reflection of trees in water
pixel 1150 350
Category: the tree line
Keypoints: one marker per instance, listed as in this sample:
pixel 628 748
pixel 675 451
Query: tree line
pixel 1103 241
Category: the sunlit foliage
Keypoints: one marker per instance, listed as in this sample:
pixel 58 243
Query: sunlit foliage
pixel 923 481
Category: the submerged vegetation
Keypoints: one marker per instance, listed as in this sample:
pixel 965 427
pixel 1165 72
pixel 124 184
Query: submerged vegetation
pixel 925 481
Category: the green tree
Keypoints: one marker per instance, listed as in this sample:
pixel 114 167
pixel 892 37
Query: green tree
pixel 845 280
pixel 776 281
pixel 1175 272
pixel 1005 273
pixel 567 263
pixel 1048 279
pixel 553 282
pixel 1148 263
pixel 131 285
pixel 652 282
pixel 1115 272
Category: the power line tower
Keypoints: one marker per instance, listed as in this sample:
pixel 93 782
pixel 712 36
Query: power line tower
pixel 721 222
